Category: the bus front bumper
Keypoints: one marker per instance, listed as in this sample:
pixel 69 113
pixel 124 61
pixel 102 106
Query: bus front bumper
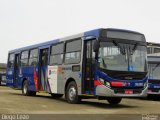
pixel 107 92
pixel 153 92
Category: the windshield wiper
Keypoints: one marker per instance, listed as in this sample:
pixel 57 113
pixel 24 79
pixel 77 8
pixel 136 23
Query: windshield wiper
pixel 104 64
pixel 134 49
pixel 122 49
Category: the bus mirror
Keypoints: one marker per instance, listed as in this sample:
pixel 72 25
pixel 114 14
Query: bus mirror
pixel 96 46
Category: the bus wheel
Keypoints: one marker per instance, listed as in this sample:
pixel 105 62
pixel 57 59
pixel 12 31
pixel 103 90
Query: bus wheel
pixel 72 93
pixel 114 101
pixel 32 93
pixel 56 95
pixel 25 90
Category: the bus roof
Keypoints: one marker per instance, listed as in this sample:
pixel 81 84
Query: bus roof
pixel 92 33
pixel 153 44
pixel 153 59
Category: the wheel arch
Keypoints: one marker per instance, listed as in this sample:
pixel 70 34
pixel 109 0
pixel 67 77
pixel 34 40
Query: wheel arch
pixel 67 82
pixel 23 82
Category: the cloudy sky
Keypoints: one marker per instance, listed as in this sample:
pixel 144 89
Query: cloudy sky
pixel 26 22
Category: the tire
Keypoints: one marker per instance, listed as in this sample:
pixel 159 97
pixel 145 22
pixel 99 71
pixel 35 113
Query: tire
pixel 114 101
pixel 32 93
pixel 71 93
pixel 149 97
pixel 56 95
pixel 25 90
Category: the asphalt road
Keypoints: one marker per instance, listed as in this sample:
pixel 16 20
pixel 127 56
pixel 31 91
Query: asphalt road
pixel 12 102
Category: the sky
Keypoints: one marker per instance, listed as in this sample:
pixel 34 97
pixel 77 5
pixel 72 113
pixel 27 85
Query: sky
pixel 27 22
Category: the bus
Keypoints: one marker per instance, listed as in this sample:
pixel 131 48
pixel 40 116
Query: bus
pixel 105 63
pixel 2 79
pixel 153 48
pixel 154 76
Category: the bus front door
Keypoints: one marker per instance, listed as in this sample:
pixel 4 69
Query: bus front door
pixel 42 72
pixel 16 71
pixel 88 68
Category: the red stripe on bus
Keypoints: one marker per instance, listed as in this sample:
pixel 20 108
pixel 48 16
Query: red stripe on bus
pixel 97 83
pixel 117 84
pixel 35 79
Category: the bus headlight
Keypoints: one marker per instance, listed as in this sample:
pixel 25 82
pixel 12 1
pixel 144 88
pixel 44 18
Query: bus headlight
pixel 108 84
pixel 102 81
pixel 105 82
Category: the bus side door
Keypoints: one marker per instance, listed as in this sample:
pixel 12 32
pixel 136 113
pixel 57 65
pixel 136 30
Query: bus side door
pixel 16 70
pixel 43 69
pixel 88 68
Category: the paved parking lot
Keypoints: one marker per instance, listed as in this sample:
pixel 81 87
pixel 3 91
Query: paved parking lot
pixel 12 102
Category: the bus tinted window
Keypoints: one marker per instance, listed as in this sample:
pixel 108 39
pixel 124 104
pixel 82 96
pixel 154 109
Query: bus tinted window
pixel 73 51
pixel 156 50
pixel 24 58
pixel 73 57
pixel 57 54
pixel 149 50
pixel 57 49
pixel 33 57
pixel 73 46
pixel 11 60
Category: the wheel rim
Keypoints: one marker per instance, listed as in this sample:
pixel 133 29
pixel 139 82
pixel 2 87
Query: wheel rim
pixel 25 88
pixel 72 93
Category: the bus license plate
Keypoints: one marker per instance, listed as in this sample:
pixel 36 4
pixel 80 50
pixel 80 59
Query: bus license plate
pixel 128 91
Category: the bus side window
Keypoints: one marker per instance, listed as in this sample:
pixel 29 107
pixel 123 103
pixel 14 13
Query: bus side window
pixel 56 57
pixel 33 57
pixel 44 57
pixel 73 51
pixel 24 59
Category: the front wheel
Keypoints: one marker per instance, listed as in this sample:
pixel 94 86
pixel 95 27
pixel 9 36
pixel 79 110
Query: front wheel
pixel 114 101
pixel 71 93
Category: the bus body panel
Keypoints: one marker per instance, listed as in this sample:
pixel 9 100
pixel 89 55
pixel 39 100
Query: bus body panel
pixel 138 88
pixel 154 87
pixel 154 78
pixel 75 75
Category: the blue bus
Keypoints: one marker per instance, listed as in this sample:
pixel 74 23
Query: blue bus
pixel 2 79
pixel 154 75
pixel 107 64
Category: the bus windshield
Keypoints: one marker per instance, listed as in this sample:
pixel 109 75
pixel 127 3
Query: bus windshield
pixel 154 71
pixel 122 57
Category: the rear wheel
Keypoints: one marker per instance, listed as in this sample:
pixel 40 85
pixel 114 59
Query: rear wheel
pixel 72 93
pixel 114 101
pixel 56 95
pixel 25 90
